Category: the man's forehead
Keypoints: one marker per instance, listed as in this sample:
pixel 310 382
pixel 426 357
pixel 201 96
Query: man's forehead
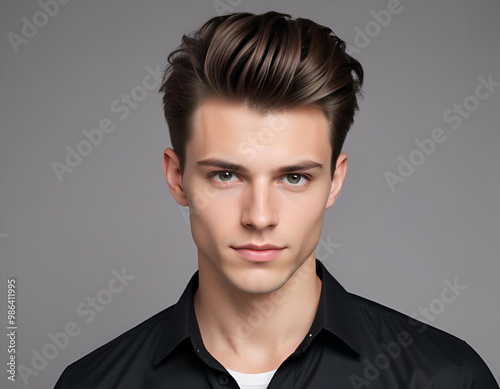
pixel 216 119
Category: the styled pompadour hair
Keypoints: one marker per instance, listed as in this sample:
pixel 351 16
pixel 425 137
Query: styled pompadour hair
pixel 270 62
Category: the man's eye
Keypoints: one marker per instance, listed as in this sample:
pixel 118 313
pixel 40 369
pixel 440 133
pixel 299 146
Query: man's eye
pixel 296 179
pixel 223 176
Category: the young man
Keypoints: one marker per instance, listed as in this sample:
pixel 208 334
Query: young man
pixel 258 107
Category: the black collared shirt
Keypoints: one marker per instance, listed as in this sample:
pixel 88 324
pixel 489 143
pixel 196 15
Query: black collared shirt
pixel 353 343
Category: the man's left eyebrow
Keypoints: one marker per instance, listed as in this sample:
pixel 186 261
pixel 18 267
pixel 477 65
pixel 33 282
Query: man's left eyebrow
pixel 301 165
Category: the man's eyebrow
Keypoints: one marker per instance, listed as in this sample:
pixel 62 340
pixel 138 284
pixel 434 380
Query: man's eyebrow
pixel 304 164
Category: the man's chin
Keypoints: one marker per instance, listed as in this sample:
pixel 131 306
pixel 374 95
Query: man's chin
pixel 258 286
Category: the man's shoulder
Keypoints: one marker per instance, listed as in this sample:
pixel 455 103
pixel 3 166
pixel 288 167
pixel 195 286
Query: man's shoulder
pixel 401 339
pixel 376 317
pixel 143 335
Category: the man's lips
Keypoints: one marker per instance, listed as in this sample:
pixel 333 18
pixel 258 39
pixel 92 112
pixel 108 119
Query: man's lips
pixel 256 253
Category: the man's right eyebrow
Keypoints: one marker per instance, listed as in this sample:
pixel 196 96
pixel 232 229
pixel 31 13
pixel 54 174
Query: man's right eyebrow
pixel 225 165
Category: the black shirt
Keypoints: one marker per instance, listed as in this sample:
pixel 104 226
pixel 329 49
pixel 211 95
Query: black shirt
pixel 353 343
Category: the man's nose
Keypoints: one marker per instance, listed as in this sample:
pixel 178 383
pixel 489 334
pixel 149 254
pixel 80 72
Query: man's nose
pixel 260 206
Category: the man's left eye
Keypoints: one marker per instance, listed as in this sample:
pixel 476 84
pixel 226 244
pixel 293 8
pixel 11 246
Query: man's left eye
pixel 294 178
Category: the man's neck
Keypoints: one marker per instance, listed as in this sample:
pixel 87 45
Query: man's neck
pixel 253 333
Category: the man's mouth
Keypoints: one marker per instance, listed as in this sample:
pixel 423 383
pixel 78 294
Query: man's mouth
pixel 259 253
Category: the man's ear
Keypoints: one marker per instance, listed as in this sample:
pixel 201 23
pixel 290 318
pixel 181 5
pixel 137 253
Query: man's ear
pixel 338 179
pixel 172 169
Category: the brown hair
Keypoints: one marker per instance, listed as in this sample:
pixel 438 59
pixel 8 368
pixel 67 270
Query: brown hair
pixel 269 62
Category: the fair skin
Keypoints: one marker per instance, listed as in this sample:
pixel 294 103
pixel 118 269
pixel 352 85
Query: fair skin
pixel 252 315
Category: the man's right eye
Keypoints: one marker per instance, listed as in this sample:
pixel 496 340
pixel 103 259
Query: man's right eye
pixel 222 176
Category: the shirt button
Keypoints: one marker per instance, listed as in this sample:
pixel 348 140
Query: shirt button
pixel 223 380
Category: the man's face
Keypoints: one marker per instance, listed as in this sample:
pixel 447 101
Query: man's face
pixel 264 201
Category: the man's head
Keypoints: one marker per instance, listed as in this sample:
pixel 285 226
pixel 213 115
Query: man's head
pixel 268 62
pixel 258 108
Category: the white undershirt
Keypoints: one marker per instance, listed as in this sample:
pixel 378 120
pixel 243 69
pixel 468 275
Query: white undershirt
pixel 252 381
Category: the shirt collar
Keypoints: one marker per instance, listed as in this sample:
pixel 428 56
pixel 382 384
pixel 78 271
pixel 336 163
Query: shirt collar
pixel 181 323
pixel 336 310
pixel 335 314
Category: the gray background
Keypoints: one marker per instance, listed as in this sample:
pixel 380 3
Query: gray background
pixel 61 240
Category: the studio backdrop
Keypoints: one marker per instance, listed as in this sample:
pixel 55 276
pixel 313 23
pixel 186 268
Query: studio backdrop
pixel 92 242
